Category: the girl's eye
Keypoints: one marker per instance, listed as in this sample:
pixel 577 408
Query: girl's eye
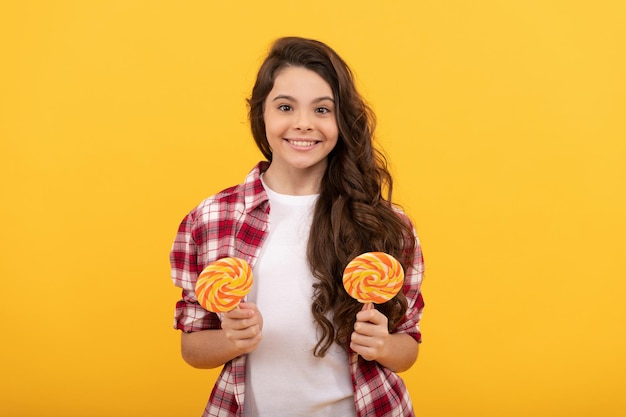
pixel 322 110
pixel 284 107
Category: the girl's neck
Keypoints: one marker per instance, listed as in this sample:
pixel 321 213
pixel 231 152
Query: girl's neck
pixel 293 181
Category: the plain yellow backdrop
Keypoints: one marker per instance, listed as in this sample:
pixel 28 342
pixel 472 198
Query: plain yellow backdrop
pixel 504 124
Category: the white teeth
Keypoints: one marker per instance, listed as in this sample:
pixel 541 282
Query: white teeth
pixel 302 143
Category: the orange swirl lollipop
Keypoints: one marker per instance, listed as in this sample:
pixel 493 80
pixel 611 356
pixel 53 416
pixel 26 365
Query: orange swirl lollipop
pixel 373 277
pixel 223 284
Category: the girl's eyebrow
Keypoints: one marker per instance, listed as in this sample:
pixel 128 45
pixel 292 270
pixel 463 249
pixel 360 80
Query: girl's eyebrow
pixel 290 98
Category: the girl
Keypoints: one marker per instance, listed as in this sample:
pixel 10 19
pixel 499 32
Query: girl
pixel 299 345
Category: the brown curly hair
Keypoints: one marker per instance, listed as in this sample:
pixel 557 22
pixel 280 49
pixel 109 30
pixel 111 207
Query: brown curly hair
pixel 353 213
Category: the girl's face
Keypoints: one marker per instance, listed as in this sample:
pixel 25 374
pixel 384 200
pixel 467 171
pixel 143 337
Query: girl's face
pixel 300 122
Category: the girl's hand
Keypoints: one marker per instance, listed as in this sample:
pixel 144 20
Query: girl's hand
pixel 371 336
pixel 243 327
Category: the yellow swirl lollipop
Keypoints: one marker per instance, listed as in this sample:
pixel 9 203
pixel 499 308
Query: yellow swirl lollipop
pixel 223 284
pixel 373 277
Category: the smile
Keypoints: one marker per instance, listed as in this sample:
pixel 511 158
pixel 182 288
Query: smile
pixel 302 143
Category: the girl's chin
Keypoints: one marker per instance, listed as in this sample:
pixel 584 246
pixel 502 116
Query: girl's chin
pixel 301 165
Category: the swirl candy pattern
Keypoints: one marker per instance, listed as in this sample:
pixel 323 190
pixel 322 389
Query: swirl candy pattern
pixel 223 284
pixel 373 277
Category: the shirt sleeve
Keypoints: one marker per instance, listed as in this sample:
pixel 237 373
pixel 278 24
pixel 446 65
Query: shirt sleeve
pixel 190 316
pixel 412 290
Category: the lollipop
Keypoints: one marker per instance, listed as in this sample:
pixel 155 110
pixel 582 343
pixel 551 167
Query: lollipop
pixel 223 283
pixel 373 277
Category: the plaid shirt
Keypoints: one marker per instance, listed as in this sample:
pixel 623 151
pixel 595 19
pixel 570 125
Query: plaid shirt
pixel 235 222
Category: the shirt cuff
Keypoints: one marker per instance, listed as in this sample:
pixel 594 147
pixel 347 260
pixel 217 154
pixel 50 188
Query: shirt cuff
pixel 192 317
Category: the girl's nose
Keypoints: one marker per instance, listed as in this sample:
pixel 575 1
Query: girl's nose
pixel 302 122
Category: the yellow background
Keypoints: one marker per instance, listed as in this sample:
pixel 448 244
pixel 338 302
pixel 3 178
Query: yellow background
pixel 504 122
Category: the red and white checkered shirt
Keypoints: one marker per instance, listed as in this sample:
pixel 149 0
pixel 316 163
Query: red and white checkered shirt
pixel 234 222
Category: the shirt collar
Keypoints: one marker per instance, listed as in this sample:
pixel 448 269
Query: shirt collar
pixel 254 193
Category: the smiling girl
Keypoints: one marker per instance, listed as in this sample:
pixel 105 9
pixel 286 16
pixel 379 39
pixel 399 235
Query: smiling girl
pixel 299 345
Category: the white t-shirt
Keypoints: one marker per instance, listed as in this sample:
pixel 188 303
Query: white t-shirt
pixel 283 377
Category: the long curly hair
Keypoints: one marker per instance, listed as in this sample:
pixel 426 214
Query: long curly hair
pixel 353 213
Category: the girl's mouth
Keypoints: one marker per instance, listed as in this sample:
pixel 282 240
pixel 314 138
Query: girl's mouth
pixel 302 143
